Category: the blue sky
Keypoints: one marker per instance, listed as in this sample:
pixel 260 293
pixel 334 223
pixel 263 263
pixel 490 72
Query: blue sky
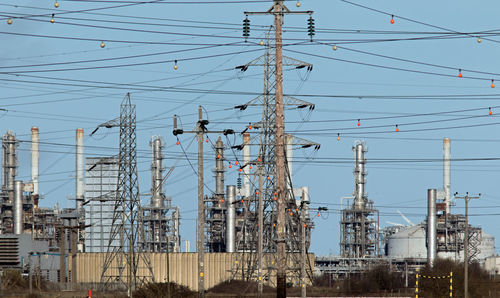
pixel 60 97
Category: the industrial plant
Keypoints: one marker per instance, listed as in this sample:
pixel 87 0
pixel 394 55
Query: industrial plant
pixel 254 214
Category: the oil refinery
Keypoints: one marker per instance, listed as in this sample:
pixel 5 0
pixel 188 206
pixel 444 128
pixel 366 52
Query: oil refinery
pixel 153 150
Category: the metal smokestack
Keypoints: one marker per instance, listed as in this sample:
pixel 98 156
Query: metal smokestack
pixel 79 169
pixel 359 176
pixel 35 154
pixel 219 168
pixel 18 207
pixel 246 163
pixel 157 200
pixel 431 226
pixel 230 218
pixel 447 173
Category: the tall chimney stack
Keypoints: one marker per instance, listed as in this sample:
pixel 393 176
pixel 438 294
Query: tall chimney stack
pixel 35 154
pixel 79 169
pixel 447 173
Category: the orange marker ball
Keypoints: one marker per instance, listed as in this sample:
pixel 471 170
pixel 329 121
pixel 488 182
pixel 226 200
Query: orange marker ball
pixel 392 21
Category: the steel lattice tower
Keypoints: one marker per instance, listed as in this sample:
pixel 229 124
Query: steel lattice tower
pixel 126 264
pixel 247 239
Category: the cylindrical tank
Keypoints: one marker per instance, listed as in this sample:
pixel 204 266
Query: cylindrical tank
pixel 230 218
pixel 407 243
pixel 487 246
pixel 431 226
pixel 18 207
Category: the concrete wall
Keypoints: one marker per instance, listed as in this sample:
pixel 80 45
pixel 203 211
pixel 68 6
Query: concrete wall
pixel 219 267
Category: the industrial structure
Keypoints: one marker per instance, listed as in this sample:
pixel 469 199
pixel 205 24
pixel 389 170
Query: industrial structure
pixel 406 247
pixel 250 210
pixel 161 219
pixel 359 222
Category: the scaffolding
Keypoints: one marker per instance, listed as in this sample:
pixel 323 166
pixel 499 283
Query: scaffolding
pixel 100 191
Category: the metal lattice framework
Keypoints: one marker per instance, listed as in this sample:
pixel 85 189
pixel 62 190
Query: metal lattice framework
pixel 247 237
pixel 126 264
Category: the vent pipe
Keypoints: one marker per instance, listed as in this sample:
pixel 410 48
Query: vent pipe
pixel 35 154
pixel 230 218
pixel 447 173
pixel 431 226
pixel 18 207
pixel 79 169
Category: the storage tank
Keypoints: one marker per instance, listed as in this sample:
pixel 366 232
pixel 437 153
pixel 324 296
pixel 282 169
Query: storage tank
pixel 408 243
pixel 487 246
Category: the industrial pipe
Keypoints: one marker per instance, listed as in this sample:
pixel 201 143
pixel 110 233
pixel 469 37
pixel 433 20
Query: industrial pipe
pixel 447 173
pixel 230 218
pixel 18 207
pixel 431 226
pixel 79 169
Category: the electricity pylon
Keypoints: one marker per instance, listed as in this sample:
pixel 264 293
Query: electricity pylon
pixel 126 263
pixel 272 152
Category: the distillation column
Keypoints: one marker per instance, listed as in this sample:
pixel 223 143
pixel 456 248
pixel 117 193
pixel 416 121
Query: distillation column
pixel 156 224
pixel 9 172
pixel 359 237
pixel 215 207
pixel 359 177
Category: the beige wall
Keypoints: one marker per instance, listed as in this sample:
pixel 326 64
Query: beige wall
pixel 219 267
